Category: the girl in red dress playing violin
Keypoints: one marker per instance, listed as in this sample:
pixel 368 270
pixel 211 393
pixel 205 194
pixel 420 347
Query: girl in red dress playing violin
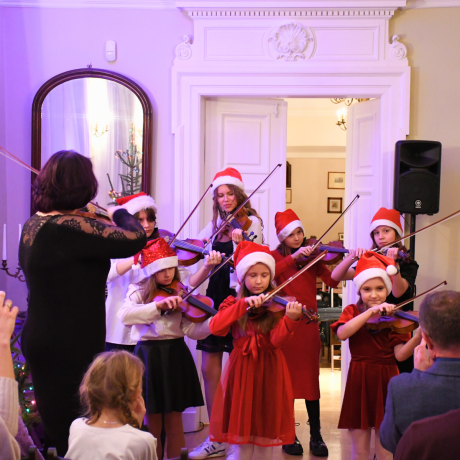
pixel 171 381
pixel 385 228
pixel 373 355
pixel 303 351
pixel 253 404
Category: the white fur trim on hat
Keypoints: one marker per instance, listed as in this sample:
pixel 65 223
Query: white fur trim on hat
pixel 253 258
pixel 158 265
pixel 140 203
pixel 371 273
pixel 283 234
pixel 226 180
pixel 386 223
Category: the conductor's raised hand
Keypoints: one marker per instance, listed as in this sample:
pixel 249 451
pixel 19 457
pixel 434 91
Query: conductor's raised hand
pixel 422 358
pixel 294 311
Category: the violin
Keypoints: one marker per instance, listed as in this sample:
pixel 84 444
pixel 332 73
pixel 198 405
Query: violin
pixel 403 256
pixel 189 251
pixel 276 307
pixel 400 322
pixel 92 212
pixel 240 221
pixel 335 252
pixel 196 308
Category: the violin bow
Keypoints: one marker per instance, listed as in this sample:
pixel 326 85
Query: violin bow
pixel 240 207
pixel 293 277
pixel 417 231
pixel 400 305
pixel 190 215
pixel 338 218
pixel 14 158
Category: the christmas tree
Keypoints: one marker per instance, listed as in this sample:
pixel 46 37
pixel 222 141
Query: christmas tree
pixel 132 159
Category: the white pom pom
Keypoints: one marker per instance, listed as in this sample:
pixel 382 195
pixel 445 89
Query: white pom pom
pixel 392 270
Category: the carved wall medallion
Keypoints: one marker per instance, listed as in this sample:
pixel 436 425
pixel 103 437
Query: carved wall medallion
pixel 398 51
pixel 184 50
pixel 289 42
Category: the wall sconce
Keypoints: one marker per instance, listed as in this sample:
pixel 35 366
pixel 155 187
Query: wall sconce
pixel 95 130
pixel 347 101
pixel 341 121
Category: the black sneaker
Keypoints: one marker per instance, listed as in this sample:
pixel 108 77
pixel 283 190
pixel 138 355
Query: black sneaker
pixel 317 445
pixel 293 449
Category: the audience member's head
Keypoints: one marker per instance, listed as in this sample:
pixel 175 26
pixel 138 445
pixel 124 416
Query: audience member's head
pixel 439 316
pixel 113 381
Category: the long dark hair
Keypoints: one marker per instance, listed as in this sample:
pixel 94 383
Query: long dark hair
pixel 240 197
pixel 285 250
pixel 65 183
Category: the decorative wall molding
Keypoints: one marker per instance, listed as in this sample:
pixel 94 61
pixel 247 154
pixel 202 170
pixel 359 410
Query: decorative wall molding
pixel 290 41
pixel 398 51
pixel 213 13
pixel 131 4
pixel 184 50
pixel 412 4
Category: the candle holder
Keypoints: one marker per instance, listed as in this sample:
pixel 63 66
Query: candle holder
pixel 17 275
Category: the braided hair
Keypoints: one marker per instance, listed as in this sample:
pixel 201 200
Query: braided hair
pixel 112 381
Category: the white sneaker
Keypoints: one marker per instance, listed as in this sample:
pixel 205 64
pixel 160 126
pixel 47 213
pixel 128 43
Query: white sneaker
pixel 231 453
pixel 208 449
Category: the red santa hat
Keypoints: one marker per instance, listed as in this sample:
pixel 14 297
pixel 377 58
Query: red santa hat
pixel 156 256
pixel 136 203
pixel 226 177
pixel 373 265
pixel 388 217
pixel 286 222
pixel 248 254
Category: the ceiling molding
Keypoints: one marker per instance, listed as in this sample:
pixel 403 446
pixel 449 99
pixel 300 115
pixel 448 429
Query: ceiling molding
pixel 415 4
pixel 109 4
pixel 360 4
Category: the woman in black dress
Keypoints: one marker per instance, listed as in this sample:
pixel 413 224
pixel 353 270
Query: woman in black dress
pixel 66 259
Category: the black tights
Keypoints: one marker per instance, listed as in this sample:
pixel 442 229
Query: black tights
pixel 312 409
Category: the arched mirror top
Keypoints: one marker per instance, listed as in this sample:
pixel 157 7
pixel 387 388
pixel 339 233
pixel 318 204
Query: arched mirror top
pixel 102 115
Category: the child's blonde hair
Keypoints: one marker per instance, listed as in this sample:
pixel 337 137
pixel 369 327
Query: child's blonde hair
pixel 112 381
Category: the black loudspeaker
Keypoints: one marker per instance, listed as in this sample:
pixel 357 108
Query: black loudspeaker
pixel 417 177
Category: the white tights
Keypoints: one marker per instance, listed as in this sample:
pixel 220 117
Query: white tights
pixel 251 452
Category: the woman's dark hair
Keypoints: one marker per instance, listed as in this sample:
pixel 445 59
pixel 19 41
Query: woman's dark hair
pixel 66 182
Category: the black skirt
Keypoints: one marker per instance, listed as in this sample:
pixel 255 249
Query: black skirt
pixel 170 381
pixel 218 290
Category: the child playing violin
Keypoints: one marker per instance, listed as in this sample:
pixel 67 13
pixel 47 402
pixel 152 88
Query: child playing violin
pixel 121 274
pixel 302 353
pixel 385 229
pixel 373 354
pixel 253 404
pixel 171 381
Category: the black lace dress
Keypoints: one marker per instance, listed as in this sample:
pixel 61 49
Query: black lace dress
pixel 66 260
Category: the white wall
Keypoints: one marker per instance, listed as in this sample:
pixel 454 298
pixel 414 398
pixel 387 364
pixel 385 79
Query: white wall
pixel 431 36
pixel 43 42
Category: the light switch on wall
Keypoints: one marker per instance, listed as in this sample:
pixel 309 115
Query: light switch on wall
pixel 111 50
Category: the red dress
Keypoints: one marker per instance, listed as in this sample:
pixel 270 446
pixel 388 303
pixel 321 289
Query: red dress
pixel 302 353
pixel 372 365
pixel 253 403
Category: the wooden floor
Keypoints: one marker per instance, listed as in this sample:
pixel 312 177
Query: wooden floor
pixel 337 441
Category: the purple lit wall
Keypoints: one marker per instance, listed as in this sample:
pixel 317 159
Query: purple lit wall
pixel 38 43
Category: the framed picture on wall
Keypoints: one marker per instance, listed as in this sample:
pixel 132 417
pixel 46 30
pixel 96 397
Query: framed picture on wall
pixel 336 180
pixel 288 195
pixel 340 236
pixel 334 205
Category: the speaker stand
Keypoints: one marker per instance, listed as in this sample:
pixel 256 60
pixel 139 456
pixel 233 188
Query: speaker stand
pixel 412 238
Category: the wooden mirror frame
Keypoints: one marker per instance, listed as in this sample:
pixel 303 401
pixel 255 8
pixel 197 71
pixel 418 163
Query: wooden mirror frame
pixel 93 73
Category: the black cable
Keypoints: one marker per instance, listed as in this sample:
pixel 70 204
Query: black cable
pixel 197 431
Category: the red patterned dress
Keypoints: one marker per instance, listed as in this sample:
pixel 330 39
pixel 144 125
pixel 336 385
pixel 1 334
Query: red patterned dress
pixel 253 403
pixel 372 365
pixel 303 351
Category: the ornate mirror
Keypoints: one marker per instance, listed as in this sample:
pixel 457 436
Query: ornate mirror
pixel 102 115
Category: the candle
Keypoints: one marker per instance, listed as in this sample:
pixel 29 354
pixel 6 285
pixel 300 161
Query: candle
pixel 4 242
pixel 338 113
pixel 20 233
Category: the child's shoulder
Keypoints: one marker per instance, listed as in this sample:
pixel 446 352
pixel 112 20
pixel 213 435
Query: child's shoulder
pixel 230 300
